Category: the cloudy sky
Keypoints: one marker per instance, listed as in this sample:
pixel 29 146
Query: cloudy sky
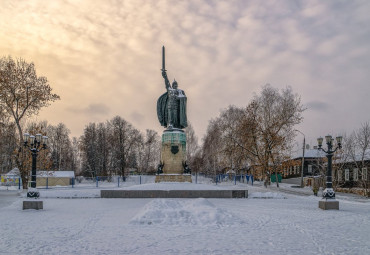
pixel 104 57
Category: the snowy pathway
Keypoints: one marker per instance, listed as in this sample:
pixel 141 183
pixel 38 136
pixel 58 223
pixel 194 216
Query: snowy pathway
pixel 293 225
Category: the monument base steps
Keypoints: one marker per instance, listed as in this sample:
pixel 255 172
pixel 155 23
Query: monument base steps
pixel 173 178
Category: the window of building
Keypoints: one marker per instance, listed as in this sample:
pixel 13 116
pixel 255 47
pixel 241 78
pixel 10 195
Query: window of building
pixel 309 169
pixel 339 175
pixel 355 174
pixel 346 174
pixel 364 174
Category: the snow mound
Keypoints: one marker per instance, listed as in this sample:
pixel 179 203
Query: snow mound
pixel 183 212
pixel 271 195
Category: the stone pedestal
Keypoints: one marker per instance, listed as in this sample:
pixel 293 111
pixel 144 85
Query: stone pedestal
pixel 329 204
pixel 33 204
pixel 173 151
pixel 173 155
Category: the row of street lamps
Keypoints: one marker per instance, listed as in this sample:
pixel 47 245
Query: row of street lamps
pixel 39 142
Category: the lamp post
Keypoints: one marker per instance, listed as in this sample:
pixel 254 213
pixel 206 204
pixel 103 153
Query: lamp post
pixel 34 144
pixel 328 201
pixel 304 145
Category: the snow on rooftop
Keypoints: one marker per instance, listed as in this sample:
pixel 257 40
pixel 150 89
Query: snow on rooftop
pixel 14 171
pixel 59 174
pixel 357 157
pixel 310 153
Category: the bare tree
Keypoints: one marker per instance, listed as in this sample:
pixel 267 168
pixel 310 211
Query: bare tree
pixel 210 161
pixel 22 94
pixel 192 145
pixel 150 151
pixel 89 150
pixel 273 116
pixel 103 148
pixel 96 149
pixel 230 124
pixel 261 134
pixel 60 147
pixel 358 149
pixel 340 160
pixel 110 148
pixel 125 140
pixel 76 156
pixel 8 145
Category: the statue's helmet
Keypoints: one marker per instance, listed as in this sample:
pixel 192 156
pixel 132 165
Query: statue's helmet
pixel 174 84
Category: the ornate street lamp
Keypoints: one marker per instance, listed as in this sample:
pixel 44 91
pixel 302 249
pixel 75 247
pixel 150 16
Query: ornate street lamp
pixel 34 144
pixel 328 201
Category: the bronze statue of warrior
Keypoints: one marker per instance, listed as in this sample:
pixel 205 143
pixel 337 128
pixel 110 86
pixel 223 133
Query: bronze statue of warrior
pixel 171 106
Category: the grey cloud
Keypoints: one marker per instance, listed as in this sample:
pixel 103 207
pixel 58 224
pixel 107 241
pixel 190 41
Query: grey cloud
pixel 100 109
pixel 91 109
pixel 219 51
pixel 137 117
pixel 317 105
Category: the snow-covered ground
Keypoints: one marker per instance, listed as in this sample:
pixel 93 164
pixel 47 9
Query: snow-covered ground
pixel 280 223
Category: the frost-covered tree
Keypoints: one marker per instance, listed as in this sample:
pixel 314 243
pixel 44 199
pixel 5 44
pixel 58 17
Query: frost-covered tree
pixel 192 145
pixel 89 150
pixel 96 149
pixel 124 139
pixel 60 147
pixel 76 156
pixel 109 148
pixel 211 157
pixel 149 152
pixel 103 148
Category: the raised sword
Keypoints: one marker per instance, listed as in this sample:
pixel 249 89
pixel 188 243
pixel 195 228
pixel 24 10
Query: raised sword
pixel 163 60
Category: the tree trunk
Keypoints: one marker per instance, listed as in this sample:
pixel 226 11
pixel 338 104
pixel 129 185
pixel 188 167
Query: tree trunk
pixel 276 178
pixel 20 158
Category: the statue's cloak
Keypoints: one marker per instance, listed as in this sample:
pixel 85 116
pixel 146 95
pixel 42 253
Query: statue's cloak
pixel 182 111
pixel 162 111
